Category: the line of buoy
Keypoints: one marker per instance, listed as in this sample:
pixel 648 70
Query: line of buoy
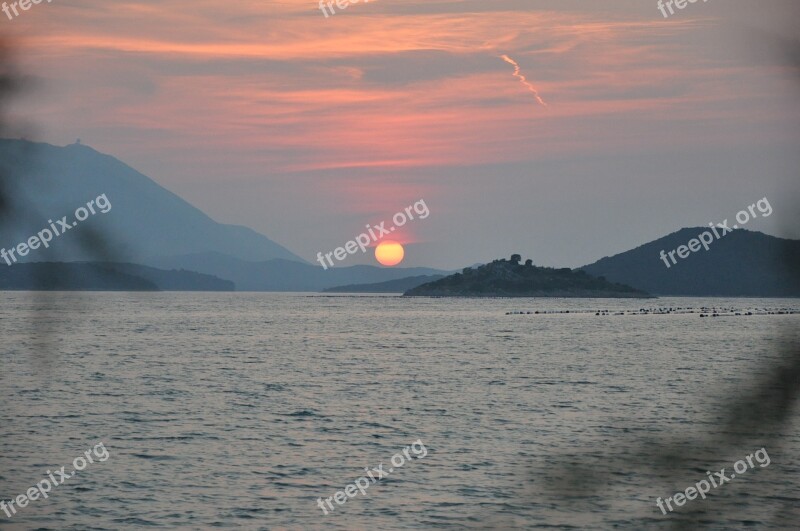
pixel 703 311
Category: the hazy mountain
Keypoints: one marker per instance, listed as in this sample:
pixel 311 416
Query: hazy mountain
pixel 285 275
pixel 87 276
pixel 144 221
pixel 741 263
pixel 503 278
pixel 174 279
pixel 390 286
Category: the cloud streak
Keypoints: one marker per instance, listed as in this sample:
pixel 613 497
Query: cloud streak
pixel 523 80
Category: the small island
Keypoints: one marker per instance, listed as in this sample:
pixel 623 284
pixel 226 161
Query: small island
pixel 509 278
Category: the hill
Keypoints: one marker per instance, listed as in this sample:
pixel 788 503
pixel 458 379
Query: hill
pixel 96 276
pixel 400 285
pixel 741 264
pixel 285 275
pixel 503 278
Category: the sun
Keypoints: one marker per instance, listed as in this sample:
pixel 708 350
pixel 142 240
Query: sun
pixel 389 253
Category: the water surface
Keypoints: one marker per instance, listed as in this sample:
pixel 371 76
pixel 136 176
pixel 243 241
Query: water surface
pixel 241 409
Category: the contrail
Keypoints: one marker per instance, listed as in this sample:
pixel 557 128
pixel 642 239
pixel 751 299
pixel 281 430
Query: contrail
pixel 524 81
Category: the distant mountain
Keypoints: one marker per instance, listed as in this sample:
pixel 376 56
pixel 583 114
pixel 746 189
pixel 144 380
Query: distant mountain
pixel 145 220
pixel 740 264
pixel 390 286
pixel 174 279
pixel 503 278
pixel 88 276
pixel 285 275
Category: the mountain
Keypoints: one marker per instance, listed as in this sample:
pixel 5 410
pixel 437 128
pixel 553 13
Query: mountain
pixel 503 278
pixel 741 263
pixel 390 286
pixel 96 276
pixel 285 275
pixel 144 220
pixel 136 221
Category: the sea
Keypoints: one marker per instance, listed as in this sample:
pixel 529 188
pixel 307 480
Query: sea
pixel 250 410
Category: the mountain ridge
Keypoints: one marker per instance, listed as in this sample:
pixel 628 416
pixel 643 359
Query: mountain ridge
pixel 145 220
pixel 743 263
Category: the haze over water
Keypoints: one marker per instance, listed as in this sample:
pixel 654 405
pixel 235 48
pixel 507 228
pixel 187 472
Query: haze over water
pixel 241 409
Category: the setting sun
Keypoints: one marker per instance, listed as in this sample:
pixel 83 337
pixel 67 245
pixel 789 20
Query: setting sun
pixel 389 253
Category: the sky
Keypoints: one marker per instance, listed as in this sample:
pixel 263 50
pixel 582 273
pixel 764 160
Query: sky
pixel 564 131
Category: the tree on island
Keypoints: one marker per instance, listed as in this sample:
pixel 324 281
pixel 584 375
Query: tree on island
pixel 515 258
